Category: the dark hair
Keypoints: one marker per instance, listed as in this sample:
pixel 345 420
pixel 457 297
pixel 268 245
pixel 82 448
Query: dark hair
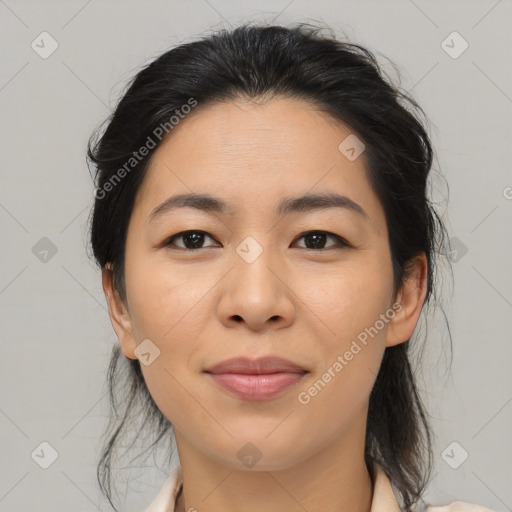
pixel 342 79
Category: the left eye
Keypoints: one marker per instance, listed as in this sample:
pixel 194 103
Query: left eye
pixel 317 239
pixel 314 240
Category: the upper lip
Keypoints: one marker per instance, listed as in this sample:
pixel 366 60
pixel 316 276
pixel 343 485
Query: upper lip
pixel 262 365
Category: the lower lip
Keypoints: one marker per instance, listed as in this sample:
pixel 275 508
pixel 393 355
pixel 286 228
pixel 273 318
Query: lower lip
pixel 256 387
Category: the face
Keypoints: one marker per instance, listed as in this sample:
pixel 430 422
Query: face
pixel 310 282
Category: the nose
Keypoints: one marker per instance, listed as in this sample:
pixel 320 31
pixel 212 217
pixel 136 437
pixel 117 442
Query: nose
pixel 257 295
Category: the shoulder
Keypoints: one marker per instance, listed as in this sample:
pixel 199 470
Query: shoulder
pixel 385 498
pixel 458 506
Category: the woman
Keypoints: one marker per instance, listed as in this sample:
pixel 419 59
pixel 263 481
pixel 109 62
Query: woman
pixel 267 247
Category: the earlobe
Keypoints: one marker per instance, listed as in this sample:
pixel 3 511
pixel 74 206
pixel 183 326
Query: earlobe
pixel 119 315
pixel 411 297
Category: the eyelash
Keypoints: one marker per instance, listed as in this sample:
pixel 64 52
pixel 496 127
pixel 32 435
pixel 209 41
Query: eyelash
pixel 342 243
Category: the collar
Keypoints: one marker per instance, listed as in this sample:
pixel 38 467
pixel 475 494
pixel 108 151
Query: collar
pixel 384 498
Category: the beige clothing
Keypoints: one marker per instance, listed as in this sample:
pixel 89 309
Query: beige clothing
pixel 384 499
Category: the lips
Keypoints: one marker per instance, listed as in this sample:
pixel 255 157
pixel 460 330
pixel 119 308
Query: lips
pixel 256 379
pixel 262 365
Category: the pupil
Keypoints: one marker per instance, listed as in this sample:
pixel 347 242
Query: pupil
pixel 195 238
pixel 317 238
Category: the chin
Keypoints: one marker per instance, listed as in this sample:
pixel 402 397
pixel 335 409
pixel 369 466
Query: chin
pixel 261 453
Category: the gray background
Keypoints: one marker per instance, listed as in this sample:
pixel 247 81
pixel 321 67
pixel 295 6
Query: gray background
pixel 56 335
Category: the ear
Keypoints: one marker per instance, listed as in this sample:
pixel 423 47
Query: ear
pixel 411 297
pixel 119 316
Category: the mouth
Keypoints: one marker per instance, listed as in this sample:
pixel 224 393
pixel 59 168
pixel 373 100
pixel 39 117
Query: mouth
pixel 256 379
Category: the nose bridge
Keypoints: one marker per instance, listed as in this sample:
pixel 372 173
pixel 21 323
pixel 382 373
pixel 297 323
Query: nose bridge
pixel 253 264
pixel 255 292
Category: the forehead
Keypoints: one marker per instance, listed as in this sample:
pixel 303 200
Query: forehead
pixel 254 134
pixel 254 153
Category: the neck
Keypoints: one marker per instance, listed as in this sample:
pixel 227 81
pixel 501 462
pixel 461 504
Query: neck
pixel 335 479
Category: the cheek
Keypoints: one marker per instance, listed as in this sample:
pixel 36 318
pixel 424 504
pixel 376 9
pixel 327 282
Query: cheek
pixel 351 307
pixel 166 303
pixel 349 362
pixel 169 308
pixel 351 298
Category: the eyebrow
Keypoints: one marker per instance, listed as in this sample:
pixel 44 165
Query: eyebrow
pixel 210 204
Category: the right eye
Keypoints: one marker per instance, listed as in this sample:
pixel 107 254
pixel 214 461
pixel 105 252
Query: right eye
pixel 192 240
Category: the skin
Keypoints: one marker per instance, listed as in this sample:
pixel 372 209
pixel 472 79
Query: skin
pixel 202 306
